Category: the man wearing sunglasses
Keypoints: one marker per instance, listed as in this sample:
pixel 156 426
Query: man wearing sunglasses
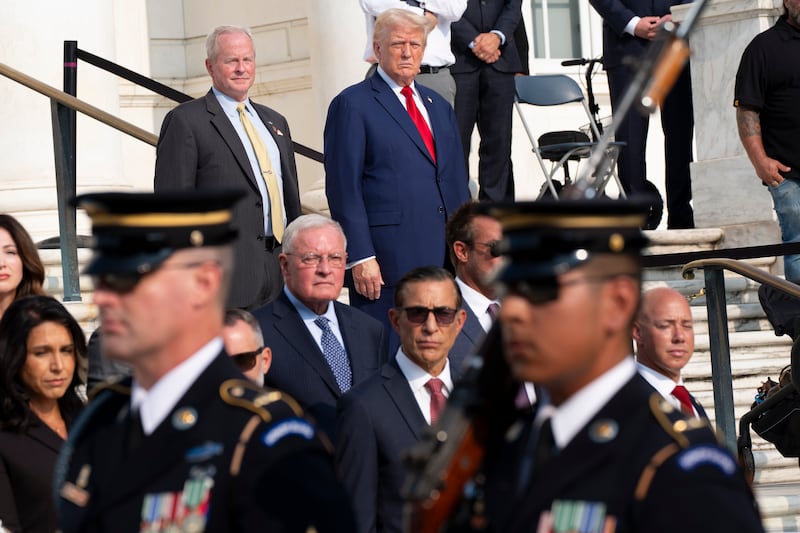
pixel 472 241
pixel 244 343
pixel 383 417
pixel 187 444
pixel 320 347
pixel 603 451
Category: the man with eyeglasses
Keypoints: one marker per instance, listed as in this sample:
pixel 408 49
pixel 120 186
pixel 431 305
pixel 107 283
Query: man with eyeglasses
pixel 382 418
pixel 320 347
pixel 244 343
pixel 187 444
pixel 603 451
pixel 472 241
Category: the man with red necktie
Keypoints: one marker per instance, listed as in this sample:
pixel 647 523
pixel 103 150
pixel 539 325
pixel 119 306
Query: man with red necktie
pixel 394 168
pixel 664 335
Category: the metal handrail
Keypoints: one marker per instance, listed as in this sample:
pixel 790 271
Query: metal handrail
pixel 719 341
pixel 79 105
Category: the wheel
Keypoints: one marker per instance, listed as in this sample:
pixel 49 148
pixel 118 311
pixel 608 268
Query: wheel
pixel 656 206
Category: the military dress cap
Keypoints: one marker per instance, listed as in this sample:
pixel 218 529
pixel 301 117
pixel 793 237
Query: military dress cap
pixel 545 238
pixel 136 232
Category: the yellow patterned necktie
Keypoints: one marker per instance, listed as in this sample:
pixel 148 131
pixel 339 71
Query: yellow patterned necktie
pixel 275 207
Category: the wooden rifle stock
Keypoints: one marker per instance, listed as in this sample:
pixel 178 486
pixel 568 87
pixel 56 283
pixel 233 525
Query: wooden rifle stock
pixel 451 452
pixel 668 66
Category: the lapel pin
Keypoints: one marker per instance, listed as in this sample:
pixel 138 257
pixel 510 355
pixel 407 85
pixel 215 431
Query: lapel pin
pixel 603 430
pixel 184 418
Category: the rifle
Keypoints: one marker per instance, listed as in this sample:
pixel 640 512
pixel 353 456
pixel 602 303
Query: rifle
pixel 657 71
pixel 451 451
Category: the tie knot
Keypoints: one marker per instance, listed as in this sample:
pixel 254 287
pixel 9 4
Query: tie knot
pixel 493 309
pixel 407 92
pixel 240 108
pixel 681 393
pixel 322 322
pixel 434 385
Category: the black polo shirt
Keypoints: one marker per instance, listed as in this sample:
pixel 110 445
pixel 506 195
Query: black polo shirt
pixel 768 80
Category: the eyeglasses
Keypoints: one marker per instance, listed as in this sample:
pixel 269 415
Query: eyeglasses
pixel 545 291
pixel 246 360
pixel 125 282
pixel 418 314
pixel 493 246
pixel 313 260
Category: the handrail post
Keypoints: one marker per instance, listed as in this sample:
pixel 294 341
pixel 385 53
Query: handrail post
pixel 720 355
pixel 65 147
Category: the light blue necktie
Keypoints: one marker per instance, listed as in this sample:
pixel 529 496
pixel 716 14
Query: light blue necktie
pixel 335 355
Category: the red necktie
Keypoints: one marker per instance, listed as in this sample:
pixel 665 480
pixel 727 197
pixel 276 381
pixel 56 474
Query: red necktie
pixel 682 395
pixel 419 121
pixel 434 386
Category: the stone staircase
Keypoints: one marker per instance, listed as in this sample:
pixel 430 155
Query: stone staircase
pixel 756 353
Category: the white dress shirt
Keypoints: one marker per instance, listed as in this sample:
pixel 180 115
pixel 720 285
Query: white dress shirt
pixel 478 303
pixel 155 403
pixel 417 378
pixel 308 316
pixel 663 384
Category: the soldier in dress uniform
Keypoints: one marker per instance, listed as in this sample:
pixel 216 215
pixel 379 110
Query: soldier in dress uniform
pixel 603 451
pixel 188 444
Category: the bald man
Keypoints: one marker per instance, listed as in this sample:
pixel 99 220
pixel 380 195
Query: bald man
pixel 664 335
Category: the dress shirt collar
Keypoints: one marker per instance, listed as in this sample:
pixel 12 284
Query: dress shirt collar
pixel 394 85
pixel 157 402
pixel 661 383
pixel 477 302
pixel 228 104
pixel 417 377
pixel 307 314
pixel 571 416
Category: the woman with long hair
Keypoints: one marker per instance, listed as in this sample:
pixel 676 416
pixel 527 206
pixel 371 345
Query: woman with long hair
pixel 21 269
pixel 42 348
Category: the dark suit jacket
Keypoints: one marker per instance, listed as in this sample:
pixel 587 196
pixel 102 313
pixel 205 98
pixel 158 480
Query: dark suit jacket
pixel 382 186
pixel 616 14
pixel 298 366
pixel 481 17
pixel 467 342
pixel 260 464
pixel 27 461
pixel 378 421
pixel 606 459
pixel 199 149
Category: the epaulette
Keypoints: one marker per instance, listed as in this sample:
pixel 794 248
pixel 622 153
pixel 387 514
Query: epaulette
pixel 268 406
pixel 258 400
pixel 692 438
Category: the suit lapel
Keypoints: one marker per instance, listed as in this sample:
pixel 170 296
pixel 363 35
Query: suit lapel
pixel 225 129
pixel 359 357
pixel 294 331
pixel 389 101
pixel 399 391
pixel 472 327
pixel 45 436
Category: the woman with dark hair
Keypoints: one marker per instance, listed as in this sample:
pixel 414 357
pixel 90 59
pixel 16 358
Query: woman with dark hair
pixel 41 349
pixel 21 270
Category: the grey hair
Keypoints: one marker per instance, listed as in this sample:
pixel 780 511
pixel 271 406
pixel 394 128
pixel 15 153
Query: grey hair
pixel 394 18
pixel 234 315
pixel 306 222
pixel 211 40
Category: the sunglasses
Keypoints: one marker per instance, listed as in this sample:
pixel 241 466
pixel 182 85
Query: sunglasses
pixel 126 282
pixel 492 246
pixel 246 360
pixel 418 314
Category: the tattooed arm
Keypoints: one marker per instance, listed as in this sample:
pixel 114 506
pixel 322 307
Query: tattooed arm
pixel 766 168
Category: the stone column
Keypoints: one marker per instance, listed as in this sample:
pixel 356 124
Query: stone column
pixel 337 38
pixel 726 191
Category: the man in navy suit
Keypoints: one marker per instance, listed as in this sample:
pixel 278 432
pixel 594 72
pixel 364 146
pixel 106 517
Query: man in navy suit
pixel 487 59
pixel 203 145
pixel 303 362
pixel 383 417
pixel 628 28
pixel 472 240
pixel 390 191
pixel 664 335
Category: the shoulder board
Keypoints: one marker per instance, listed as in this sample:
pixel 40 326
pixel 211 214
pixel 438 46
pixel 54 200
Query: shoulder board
pixel 267 403
pixel 121 386
pixel 682 429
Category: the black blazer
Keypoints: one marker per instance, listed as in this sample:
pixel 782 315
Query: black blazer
pixel 483 16
pixel 467 342
pixel 378 421
pixel 27 461
pixel 259 465
pixel 298 365
pixel 199 149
